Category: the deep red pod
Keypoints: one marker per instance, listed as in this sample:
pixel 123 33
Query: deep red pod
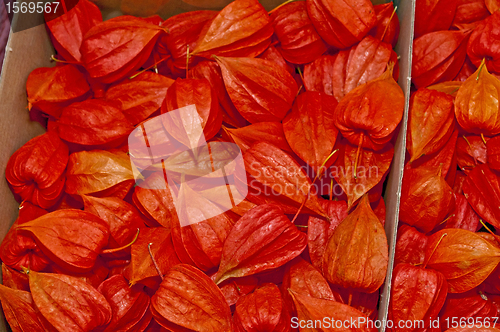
pixel 183 33
pixel 118 47
pixel 431 122
pixel 299 41
pixel 69 303
pixel 484 42
pixel 35 172
pixel 438 56
pixel 93 123
pixel 140 97
pixel 342 23
pixel 128 304
pixel 309 127
pixel 319 230
pixel 472 304
pixel 470 11
pixel 493 152
pixel 264 309
pixel 67 31
pixel 198 92
pixel 339 74
pixel 481 187
pixel 416 294
pixel 211 71
pixel 18 250
pixel 434 15
pixel 318 75
pixel 241 29
pixel 471 151
pixel 410 246
pixel 463 216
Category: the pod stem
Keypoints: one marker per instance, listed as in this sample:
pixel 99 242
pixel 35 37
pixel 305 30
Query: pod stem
pixel 309 190
pixel 484 140
pixel 53 58
pixel 434 250
pixel 110 251
pixel 146 69
pixel 389 22
pixel 284 3
pixel 358 151
pixel 187 62
pixel 154 261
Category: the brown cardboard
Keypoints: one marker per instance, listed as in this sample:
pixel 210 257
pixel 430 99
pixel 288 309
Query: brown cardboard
pixel 25 51
pixel 30 49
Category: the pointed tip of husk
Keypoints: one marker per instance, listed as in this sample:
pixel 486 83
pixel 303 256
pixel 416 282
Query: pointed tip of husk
pixel 388 73
pixel 482 70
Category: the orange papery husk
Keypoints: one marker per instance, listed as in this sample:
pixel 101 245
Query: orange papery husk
pixel 356 255
pixel 320 230
pixel 259 89
pixel 369 115
pixel 99 173
pixel 473 304
pixel 241 29
pixel 426 198
pixel 140 97
pixel 21 312
pixel 298 40
pixel 92 124
pixel 477 106
pixel 303 278
pixel 183 33
pixel 51 89
pixel 311 309
pixel 274 242
pixel 73 239
pixel 337 75
pixel 175 307
pixel 211 71
pixel 309 127
pixel 68 303
pixel 465 258
pixel 198 92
